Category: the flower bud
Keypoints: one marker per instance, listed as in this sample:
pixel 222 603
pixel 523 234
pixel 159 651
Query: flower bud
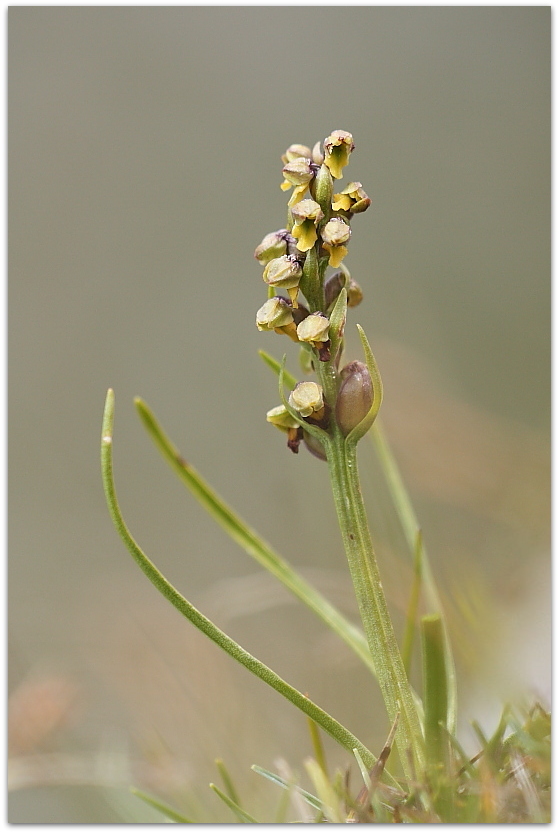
pixel 322 188
pixel 306 215
pixel 284 272
pixel 314 446
pixel 272 246
pixel 306 398
pixel 352 199
pixel 337 148
pixel 334 234
pixel 333 286
pixel 355 396
pixel 317 154
pixel 295 151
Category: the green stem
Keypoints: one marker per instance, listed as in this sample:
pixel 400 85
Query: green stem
pixel 342 735
pixel 391 674
pixel 411 528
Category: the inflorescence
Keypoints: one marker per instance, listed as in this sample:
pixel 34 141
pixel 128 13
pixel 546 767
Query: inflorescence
pixel 302 302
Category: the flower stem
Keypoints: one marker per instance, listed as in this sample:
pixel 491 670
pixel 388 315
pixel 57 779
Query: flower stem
pixel 391 674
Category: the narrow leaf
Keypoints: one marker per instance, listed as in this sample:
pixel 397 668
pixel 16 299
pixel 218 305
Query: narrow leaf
pixel 252 543
pixel 342 735
pixel 361 429
pixel 163 808
pixel 241 814
pixel 286 785
pixel 410 526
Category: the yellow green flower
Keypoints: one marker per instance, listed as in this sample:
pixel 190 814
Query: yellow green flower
pixel 337 147
pixel 334 234
pixel 297 175
pixel 281 418
pixel 313 328
pixel 276 314
pixel 284 272
pixel 306 398
pixel 353 199
pixel 307 214
pixel 273 245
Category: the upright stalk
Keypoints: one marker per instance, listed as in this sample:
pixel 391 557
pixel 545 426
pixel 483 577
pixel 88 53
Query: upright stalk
pixel 391 674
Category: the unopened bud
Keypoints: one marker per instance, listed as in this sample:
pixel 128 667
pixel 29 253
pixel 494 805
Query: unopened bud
pixel 337 148
pixel 306 398
pixel 294 152
pixel 272 246
pixel 314 446
pixel 334 234
pixel 355 396
pixel 317 154
pixel 306 214
pixel 322 189
pixel 333 286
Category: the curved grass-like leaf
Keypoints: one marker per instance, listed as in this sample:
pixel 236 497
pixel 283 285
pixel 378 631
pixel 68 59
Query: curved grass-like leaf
pixel 163 808
pixel 252 543
pixel 330 725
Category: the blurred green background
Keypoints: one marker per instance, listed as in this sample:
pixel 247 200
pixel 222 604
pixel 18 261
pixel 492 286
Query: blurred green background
pixel 144 168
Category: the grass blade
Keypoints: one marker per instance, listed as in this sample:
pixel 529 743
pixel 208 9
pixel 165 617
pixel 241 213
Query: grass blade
pixel 342 735
pixel 411 613
pixel 241 814
pixel 311 799
pixel 411 529
pixel 163 808
pixel 227 782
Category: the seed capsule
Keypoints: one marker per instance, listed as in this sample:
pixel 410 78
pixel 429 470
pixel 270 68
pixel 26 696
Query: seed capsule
pixel 355 396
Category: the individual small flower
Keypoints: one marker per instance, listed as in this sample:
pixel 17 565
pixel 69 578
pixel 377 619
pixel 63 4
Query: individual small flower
pixel 276 314
pixel 307 214
pixel 337 148
pixel 306 398
pixel 272 246
pixel 284 272
pixel 355 397
pixel 353 199
pixel 314 330
pixel 297 174
pixel 294 152
pixel 334 234
pixel 282 419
